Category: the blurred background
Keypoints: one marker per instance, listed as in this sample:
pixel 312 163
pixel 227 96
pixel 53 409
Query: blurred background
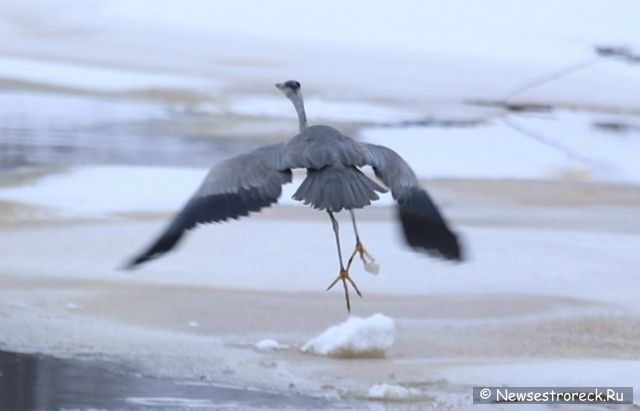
pixel 522 118
pixel 534 90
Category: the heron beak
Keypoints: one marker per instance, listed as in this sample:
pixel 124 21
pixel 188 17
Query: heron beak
pixel 280 86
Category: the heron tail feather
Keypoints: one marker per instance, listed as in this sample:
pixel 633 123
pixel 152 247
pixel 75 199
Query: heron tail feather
pixel 337 187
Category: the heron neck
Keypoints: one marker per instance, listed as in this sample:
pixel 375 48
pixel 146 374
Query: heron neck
pixel 302 117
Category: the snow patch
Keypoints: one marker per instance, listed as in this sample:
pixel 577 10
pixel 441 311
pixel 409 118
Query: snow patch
pixel 48 112
pixel 269 345
pixel 390 392
pixel 170 402
pixel 321 109
pixel 96 77
pixel 356 337
pixel 102 190
pixel 567 147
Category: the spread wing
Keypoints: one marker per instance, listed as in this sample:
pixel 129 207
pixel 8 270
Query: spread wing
pixel 423 225
pixel 232 189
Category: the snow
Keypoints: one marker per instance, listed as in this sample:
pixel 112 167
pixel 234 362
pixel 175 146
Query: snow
pixel 93 77
pixel 414 61
pixel 362 62
pixel 417 50
pixel 557 253
pixel 390 392
pixel 551 372
pixel 47 111
pixel 355 338
pixel 103 190
pixel 268 345
pixel 321 109
pixel 171 402
pixel 571 147
pixel 409 26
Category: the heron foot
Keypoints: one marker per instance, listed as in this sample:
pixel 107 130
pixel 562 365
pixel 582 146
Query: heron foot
pixel 370 264
pixel 344 277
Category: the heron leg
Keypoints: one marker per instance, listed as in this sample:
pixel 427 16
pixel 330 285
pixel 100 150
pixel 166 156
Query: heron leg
pixel 344 273
pixel 367 259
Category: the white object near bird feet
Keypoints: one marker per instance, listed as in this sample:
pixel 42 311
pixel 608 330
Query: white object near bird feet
pixel 372 267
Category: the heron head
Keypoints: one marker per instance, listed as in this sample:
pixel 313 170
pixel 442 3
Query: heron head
pixel 290 88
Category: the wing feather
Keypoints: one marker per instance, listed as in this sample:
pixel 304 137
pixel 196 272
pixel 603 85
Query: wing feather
pixel 423 225
pixel 232 189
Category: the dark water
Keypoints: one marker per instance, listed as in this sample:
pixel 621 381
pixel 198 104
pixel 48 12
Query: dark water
pixel 39 128
pixel 28 147
pixel 36 382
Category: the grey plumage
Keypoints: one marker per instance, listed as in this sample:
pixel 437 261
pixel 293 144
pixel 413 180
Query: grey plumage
pixel 424 227
pixel 232 189
pixel 333 182
pixel 250 182
pixel 337 187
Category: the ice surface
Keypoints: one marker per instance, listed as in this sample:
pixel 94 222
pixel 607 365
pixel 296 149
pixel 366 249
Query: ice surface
pixel 356 337
pixel 552 372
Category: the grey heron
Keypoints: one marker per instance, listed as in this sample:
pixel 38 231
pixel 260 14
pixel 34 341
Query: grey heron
pixel 334 182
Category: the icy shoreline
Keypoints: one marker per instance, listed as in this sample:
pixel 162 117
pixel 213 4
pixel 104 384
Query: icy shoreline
pixel 454 325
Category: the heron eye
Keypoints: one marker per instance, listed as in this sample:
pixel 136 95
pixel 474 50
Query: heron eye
pixel 293 84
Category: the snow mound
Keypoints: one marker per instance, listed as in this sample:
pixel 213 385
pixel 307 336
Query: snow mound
pixel 269 345
pixel 356 337
pixel 390 392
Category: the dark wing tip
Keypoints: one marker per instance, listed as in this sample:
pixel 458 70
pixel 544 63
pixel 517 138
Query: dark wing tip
pixel 164 243
pixel 133 263
pixel 203 210
pixel 425 228
pixel 129 265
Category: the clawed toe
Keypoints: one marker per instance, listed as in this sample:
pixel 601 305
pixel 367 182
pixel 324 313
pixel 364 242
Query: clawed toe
pixel 344 277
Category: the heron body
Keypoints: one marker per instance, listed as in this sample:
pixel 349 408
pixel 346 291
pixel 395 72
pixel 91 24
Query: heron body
pixel 334 182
